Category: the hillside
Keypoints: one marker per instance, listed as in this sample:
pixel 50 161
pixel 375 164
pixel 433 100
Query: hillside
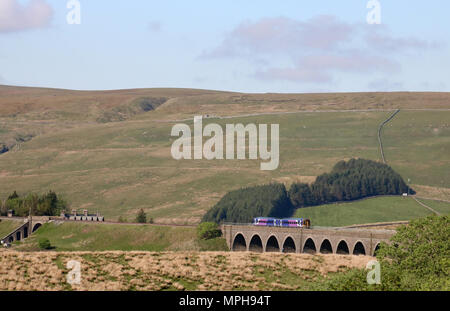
pixel 120 237
pixel 28 101
pixel 101 151
pixel 7 226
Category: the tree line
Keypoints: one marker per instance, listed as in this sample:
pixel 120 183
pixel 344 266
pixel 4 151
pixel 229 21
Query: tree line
pixel 47 204
pixel 347 181
pixel 242 205
pixel 351 180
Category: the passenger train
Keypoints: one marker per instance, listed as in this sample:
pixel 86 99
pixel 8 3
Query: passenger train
pixel 288 222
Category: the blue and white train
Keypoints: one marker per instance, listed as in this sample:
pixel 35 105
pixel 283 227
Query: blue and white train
pixel 287 222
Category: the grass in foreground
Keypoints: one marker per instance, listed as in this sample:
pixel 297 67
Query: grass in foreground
pixel 173 270
pixel 380 209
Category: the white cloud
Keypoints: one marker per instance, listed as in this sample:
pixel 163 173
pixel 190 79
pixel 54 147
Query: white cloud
pixel 319 68
pixel 384 85
pixel 282 35
pixel 17 17
pixel 315 50
pixel 154 26
pixel 378 38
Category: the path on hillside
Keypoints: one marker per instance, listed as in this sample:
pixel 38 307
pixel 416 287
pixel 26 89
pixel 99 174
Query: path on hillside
pixel 378 224
pixel 293 112
pixel 125 223
pixel 427 207
pixel 380 128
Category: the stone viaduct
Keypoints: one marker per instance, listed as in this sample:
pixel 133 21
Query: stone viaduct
pixel 302 240
pixel 25 227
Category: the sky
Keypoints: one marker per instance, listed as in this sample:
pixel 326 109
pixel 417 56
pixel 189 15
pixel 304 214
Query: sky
pixel 255 46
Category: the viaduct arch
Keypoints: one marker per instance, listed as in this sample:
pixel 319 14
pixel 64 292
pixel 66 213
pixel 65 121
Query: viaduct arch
pixel 351 241
pixel 25 227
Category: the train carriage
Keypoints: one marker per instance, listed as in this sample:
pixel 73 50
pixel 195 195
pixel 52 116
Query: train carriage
pixel 265 221
pixel 287 222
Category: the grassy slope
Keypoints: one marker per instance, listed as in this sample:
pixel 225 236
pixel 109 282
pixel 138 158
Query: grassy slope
pixel 6 226
pixel 381 209
pixel 121 167
pixel 102 237
pixel 118 168
pixel 417 144
pixel 439 206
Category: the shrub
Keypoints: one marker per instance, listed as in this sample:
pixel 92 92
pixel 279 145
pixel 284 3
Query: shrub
pixel 419 256
pixel 353 280
pixel 141 217
pixel 418 259
pixel 44 244
pixel 208 230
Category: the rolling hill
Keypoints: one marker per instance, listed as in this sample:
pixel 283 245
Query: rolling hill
pixel 110 150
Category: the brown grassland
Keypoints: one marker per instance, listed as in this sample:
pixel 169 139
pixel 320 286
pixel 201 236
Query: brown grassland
pixel 171 270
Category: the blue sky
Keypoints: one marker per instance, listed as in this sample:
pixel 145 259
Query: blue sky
pixel 248 46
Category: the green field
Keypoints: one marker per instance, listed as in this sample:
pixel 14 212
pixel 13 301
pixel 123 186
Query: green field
pixel 117 168
pixel 439 206
pixel 380 209
pixel 103 237
pixel 417 144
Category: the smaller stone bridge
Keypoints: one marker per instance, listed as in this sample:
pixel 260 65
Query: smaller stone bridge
pixel 25 227
pixel 241 237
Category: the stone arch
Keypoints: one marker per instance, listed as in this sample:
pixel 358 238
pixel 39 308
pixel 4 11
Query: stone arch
pixel 289 245
pixel 359 249
pixel 239 244
pixel 11 239
pixel 256 244
pixel 36 226
pixel 377 248
pixel 272 244
pixel 18 236
pixel 342 248
pixel 25 232
pixel 325 247
pixel 309 246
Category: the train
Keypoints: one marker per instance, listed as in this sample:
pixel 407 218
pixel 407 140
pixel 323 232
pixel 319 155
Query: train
pixel 286 222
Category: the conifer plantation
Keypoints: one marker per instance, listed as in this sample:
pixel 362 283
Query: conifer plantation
pixel 347 181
